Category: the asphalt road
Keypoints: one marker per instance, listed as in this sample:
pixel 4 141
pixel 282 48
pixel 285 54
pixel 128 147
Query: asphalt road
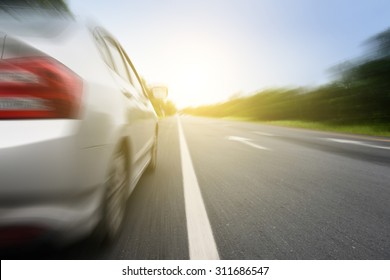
pixel 269 193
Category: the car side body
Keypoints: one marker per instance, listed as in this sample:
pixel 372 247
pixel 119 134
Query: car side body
pixel 56 160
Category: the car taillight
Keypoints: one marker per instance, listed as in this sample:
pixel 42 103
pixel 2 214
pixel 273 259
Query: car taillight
pixel 38 87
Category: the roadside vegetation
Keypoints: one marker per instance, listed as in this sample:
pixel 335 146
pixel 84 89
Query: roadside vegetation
pixel 356 101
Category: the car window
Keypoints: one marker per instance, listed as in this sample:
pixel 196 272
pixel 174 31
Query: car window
pixel 133 76
pixel 102 47
pixel 120 66
pixel 117 59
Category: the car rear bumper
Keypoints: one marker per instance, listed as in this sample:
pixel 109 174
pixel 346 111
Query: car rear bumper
pixel 62 221
pixel 42 179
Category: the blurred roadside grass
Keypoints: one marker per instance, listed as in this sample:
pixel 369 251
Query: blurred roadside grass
pixel 365 129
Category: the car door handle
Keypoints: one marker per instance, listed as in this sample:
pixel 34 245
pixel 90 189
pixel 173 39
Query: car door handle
pixel 127 94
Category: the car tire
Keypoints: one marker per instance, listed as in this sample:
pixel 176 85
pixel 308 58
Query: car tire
pixel 114 205
pixel 153 160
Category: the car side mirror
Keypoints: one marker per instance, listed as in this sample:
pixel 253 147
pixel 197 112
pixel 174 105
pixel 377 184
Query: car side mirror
pixel 160 92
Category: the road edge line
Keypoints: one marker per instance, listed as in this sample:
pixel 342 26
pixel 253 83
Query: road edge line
pixel 201 241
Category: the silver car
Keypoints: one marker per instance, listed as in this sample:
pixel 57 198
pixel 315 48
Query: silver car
pixel 77 129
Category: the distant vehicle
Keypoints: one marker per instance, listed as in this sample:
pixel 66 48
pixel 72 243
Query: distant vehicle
pixel 77 130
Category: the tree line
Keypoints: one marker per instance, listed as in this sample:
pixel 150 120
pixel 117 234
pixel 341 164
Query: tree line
pixel 360 93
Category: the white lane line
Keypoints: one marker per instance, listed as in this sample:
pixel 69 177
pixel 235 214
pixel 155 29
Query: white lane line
pixel 201 241
pixel 344 141
pixel 247 142
pixel 263 133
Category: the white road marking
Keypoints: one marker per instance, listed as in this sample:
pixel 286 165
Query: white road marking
pixel 201 241
pixel 247 142
pixel 344 141
pixel 263 133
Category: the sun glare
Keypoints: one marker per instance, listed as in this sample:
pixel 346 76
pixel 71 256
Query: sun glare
pixel 195 71
pixel 191 84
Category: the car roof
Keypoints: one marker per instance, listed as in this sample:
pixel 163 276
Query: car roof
pixel 33 24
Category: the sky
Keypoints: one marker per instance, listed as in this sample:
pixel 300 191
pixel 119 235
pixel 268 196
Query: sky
pixel 206 51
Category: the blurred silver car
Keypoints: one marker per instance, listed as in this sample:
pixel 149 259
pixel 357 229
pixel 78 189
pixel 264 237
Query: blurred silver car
pixel 77 129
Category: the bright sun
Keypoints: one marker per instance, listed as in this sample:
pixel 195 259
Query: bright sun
pixel 197 71
pixel 190 83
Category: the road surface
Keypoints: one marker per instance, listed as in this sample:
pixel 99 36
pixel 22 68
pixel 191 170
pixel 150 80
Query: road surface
pixel 235 190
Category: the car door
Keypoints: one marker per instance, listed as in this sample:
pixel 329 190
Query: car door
pixel 149 118
pixel 137 128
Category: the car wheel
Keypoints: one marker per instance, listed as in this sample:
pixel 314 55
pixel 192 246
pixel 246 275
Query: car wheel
pixel 116 195
pixel 153 160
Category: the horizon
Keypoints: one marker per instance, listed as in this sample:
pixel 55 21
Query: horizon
pixel 207 51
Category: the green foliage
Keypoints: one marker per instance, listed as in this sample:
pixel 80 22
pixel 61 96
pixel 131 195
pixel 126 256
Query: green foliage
pixel 169 108
pixel 379 45
pixel 360 94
